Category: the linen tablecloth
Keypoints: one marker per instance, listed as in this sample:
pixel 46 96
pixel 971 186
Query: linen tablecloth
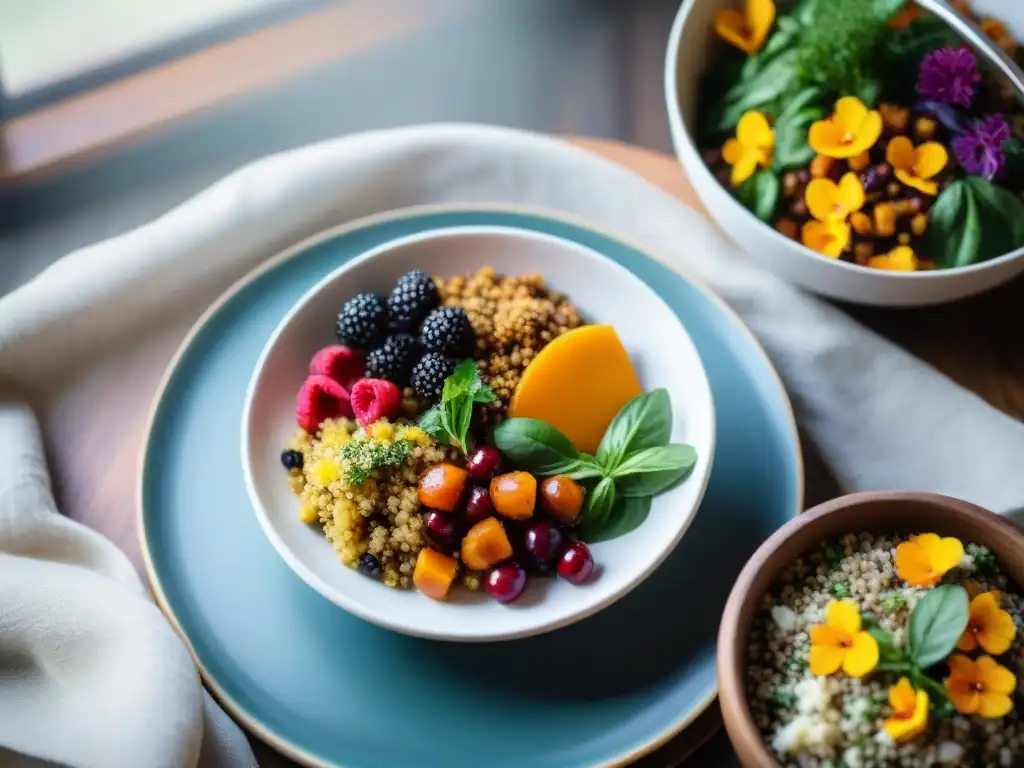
pixel 91 674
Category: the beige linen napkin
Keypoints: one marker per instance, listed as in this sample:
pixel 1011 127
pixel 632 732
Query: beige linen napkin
pixel 90 675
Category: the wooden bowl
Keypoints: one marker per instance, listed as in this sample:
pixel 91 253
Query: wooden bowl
pixel 879 512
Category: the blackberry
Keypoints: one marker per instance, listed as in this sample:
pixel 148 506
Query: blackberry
pixel 413 297
pixel 291 460
pixel 429 374
pixel 447 330
pixel 369 565
pixel 363 321
pixel 394 360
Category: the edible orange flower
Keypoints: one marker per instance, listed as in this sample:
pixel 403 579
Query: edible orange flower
pixel 901 258
pixel 852 129
pixel 748 29
pixel 909 711
pixel 826 237
pixel 752 147
pixel 840 642
pixel 979 687
pixel 906 17
pixel 924 560
pixel 826 199
pixel 915 166
pixel 997 33
pixel 988 626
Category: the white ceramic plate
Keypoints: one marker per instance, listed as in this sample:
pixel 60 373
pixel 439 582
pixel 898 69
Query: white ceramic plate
pixel 604 292
pixel 692 46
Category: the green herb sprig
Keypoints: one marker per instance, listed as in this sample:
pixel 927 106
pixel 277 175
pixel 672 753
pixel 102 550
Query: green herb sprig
pixel 974 220
pixel 366 455
pixel 935 626
pixel 634 461
pixel 448 421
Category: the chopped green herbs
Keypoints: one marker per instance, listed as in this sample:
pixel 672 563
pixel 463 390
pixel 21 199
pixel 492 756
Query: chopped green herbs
pixel 840 590
pixel 367 455
pixel 448 421
pixel 893 602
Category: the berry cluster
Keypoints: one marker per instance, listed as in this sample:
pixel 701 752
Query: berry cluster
pixel 409 339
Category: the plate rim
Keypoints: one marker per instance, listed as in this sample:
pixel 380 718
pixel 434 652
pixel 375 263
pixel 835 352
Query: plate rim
pixel 234 709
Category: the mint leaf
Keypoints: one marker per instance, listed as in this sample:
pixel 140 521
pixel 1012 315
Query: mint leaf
pixel 432 422
pixel 463 381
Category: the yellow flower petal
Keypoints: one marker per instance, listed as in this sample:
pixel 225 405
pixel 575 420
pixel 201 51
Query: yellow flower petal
pixel 921 185
pixel 753 131
pixel 826 136
pixel 901 697
pixel 760 17
pixel 901 258
pixel 744 168
pixel 822 634
pixel 943 554
pixel 929 158
pixel 731 25
pixel 821 196
pixel 843 615
pixel 828 238
pixel 732 151
pixel 851 192
pixel 825 659
pixel 961 667
pixel 916 721
pixel 912 564
pixel 994 705
pixel 851 112
pixel 995 678
pixel 998 635
pixel 862 656
pixel 900 154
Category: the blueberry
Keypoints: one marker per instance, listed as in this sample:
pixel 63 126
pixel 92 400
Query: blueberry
pixel 370 566
pixel 291 460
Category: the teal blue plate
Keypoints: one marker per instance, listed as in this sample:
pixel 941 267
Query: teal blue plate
pixel 330 689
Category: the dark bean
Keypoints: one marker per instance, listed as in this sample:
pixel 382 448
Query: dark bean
pixel 799 208
pixel 722 174
pixel 712 157
pixel 873 178
pixel 790 183
pixel 803 175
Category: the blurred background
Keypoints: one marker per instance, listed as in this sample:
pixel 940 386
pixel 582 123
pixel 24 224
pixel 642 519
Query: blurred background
pixel 113 111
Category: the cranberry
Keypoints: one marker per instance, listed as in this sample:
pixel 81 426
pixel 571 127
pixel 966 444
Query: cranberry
pixel 506 582
pixel 484 463
pixel 576 563
pixel 478 505
pixel 441 531
pixel 542 541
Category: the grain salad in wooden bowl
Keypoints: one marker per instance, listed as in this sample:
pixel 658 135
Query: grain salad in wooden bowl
pixel 881 629
pixel 478 436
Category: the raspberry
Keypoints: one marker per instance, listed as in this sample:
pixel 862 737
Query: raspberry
pixel 343 364
pixel 375 399
pixel 321 398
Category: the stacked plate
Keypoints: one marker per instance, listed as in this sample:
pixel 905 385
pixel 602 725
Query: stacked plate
pixel 601 686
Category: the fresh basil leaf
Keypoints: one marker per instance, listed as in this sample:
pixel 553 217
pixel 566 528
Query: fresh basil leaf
pixel 786 31
pixel 936 624
pixel 791 129
pixel 599 506
pixel 1000 218
pixel 654 470
pixel 780 76
pixel 586 467
pixel 760 194
pixel 643 422
pixel 887 652
pixel 954 228
pixel 432 422
pixel 535 446
pixel 627 514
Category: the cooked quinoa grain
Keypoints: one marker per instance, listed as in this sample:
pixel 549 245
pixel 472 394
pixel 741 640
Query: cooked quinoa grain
pixel 513 317
pixel 381 515
pixel 827 722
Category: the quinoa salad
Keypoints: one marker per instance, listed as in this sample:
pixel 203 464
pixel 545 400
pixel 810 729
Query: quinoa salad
pixel 443 438
pixel 867 131
pixel 880 650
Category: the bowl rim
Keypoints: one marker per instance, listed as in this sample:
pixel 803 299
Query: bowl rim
pixel 339 596
pixel 732 642
pixel 680 133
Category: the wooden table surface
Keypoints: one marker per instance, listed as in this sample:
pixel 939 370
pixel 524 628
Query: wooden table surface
pixel 975 342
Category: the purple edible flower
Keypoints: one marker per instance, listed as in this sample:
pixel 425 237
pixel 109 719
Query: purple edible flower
pixel 980 149
pixel 949 75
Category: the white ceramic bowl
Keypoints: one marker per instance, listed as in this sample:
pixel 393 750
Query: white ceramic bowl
pixel 692 48
pixel 604 292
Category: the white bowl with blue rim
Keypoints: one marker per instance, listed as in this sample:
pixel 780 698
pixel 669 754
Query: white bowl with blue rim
pixel 603 292
pixel 692 49
pixel 329 689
